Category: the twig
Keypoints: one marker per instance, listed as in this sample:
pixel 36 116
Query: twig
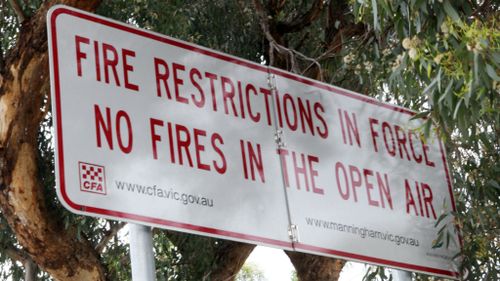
pixel 274 45
pixel 292 53
pixel 17 9
pixel 113 230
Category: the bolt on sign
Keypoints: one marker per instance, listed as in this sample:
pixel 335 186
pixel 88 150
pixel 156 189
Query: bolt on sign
pixel 158 131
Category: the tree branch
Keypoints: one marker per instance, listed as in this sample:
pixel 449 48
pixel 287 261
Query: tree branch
pixel 264 25
pixel 336 18
pixel 339 27
pixel 19 255
pixel 275 6
pixel 18 10
pixel 16 254
pixel 335 45
pixel 113 230
pixel 274 45
pixel 303 20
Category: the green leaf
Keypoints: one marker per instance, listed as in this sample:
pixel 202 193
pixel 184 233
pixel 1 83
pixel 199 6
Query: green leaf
pixel 427 128
pixel 419 115
pixel 485 141
pixel 492 73
pixel 494 184
pixel 447 94
pixel 386 7
pixel 476 69
pixel 452 13
pixel 439 78
pixel 418 24
pixel 370 276
pixel 382 273
pixel 438 242
pixel 441 217
pixel 376 24
pixel 455 113
pixel 469 94
pixel 430 87
pixel 496 58
pixel 442 229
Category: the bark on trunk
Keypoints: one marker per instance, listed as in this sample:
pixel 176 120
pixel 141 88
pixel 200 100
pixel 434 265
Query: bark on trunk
pixel 229 260
pixel 24 88
pixel 315 268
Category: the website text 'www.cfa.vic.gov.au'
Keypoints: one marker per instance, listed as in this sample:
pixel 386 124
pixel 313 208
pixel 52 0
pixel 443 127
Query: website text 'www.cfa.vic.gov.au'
pixel 170 194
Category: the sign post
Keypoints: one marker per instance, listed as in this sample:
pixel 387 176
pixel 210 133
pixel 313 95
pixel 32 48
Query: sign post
pixel 141 252
pixel 157 131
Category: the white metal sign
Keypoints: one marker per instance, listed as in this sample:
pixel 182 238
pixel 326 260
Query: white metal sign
pixel 162 132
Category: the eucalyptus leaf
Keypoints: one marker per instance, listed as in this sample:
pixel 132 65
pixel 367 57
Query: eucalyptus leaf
pixel 430 87
pixel 447 91
pixel 494 184
pixel 450 11
pixel 492 73
pixel 440 218
pixel 423 114
pixel 457 108
pixel 427 128
pixel 376 24
pixel 469 94
pixel 459 97
pixel 476 68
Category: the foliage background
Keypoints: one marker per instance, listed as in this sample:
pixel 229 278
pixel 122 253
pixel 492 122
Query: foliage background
pixel 438 57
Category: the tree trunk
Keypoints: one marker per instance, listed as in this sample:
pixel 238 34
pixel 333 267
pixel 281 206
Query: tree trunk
pixel 229 260
pixel 24 89
pixel 213 259
pixel 315 268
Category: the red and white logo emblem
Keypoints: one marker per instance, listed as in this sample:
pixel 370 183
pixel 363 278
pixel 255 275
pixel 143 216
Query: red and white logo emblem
pixel 92 178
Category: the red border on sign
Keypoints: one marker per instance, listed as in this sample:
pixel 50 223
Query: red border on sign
pixel 110 213
pixel 230 59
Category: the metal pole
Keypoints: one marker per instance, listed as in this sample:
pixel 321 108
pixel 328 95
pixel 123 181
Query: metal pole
pixel 401 275
pixel 141 253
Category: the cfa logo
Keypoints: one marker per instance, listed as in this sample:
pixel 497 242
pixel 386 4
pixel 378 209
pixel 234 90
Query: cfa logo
pixel 92 178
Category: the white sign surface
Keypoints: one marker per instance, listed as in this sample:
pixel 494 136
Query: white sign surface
pixel 162 132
